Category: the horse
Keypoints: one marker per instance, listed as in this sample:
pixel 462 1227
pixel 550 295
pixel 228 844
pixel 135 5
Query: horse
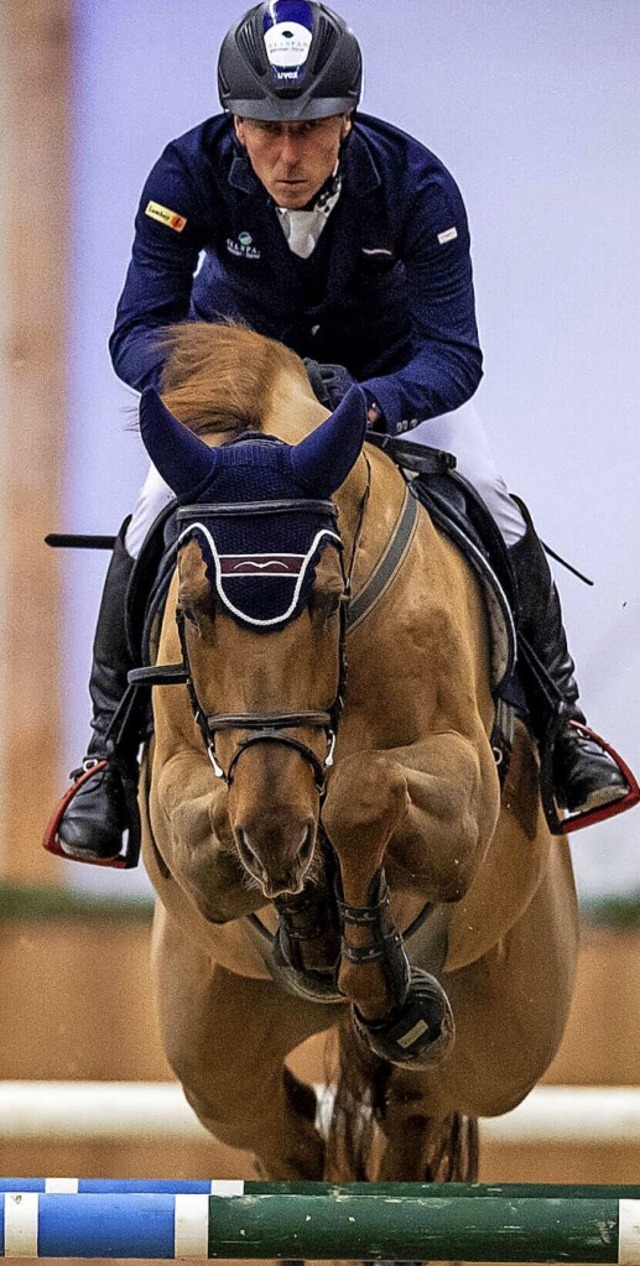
pixel 324 827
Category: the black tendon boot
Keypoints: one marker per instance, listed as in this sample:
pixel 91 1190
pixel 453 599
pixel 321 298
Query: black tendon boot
pixel 584 776
pixel 97 816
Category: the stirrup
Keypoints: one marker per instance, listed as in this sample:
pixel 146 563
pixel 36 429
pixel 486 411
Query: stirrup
pixel 585 817
pixel 125 860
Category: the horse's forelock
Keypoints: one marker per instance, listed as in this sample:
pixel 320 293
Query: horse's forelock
pixel 220 378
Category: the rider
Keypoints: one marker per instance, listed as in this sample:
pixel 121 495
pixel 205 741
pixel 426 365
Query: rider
pixel 347 240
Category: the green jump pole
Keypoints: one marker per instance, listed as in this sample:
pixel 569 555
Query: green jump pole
pixel 435 1228
pixel 427 1190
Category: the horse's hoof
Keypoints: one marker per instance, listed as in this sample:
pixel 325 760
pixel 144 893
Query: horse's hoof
pixel 287 966
pixel 315 986
pixel 420 1033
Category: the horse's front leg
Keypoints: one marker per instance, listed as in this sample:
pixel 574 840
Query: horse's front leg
pixel 426 813
pixel 307 942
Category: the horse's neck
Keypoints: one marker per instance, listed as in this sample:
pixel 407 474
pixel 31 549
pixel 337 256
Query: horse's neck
pixel 292 411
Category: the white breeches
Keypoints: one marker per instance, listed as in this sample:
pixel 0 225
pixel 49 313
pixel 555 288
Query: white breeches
pixel 463 434
pixel 460 433
pixel 154 495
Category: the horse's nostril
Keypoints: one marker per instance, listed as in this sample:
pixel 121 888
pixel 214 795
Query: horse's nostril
pixel 246 844
pixel 307 843
pixel 248 855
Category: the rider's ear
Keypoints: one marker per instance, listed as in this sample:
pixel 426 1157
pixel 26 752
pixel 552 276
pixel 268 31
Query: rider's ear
pixel 238 125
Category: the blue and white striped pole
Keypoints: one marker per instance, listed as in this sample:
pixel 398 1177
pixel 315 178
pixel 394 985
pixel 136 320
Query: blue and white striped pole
pixel 138 1226
pixel 133 1186
pixel 333 1225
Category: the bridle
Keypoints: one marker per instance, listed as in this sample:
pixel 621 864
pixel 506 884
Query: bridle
pixel 272 727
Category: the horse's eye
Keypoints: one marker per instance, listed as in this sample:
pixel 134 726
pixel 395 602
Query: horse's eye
pixel 325 603
pixel 190 616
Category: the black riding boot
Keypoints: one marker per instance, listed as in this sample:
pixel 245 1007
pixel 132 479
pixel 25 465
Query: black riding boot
pixel 584 776
pixel 96 818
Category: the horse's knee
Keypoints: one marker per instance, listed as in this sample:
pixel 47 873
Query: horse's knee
pixel 367 799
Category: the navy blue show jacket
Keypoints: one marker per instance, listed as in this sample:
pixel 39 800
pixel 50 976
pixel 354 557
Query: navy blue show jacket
pixel 387 292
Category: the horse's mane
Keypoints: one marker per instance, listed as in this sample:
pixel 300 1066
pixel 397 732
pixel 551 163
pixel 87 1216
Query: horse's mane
pixel 219 378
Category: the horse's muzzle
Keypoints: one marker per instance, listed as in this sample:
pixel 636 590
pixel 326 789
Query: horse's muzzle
pixel 278 869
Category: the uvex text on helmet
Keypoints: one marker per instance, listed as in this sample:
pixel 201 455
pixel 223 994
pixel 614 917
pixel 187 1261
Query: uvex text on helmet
pixel 289 59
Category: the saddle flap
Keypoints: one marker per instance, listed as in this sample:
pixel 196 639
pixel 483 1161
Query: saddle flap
pixel 461 515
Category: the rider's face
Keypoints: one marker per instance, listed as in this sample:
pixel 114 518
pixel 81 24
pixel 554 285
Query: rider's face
pixel 293 160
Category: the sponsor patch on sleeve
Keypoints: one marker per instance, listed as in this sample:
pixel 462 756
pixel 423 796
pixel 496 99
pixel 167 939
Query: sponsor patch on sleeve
pixel 449 235
pixel 165 216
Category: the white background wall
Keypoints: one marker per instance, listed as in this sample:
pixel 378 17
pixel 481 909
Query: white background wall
pixel 534 107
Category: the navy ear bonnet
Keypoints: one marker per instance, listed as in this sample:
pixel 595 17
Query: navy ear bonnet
pixel 258 508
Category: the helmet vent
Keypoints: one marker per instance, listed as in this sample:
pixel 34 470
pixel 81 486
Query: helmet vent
pixel 252 47
pixel 326 40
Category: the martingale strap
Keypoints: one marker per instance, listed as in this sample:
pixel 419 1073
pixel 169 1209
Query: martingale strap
pixel 387 566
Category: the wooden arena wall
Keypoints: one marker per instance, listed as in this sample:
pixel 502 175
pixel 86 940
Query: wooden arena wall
pixel 37 216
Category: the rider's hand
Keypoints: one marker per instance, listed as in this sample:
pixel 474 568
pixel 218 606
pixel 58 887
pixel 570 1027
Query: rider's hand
pixel 330 383
pixel 375 417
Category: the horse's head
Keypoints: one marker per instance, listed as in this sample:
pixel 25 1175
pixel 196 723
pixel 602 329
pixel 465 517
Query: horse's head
pixel 261 603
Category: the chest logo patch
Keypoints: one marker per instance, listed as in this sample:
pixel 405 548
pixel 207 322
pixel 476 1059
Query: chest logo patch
pixel 165 216
pixel 242 246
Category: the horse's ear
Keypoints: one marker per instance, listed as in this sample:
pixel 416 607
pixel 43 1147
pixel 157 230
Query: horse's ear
pixel 182 459
pixel 323 459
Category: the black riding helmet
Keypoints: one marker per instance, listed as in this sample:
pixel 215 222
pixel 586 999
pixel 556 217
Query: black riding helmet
pixel 287 60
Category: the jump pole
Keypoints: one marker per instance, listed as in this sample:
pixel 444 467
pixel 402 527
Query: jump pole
pixel 605 1228
pixel 365 1190
pixel 583 1115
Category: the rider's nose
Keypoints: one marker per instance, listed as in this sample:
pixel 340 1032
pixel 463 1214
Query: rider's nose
pixel 289 150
